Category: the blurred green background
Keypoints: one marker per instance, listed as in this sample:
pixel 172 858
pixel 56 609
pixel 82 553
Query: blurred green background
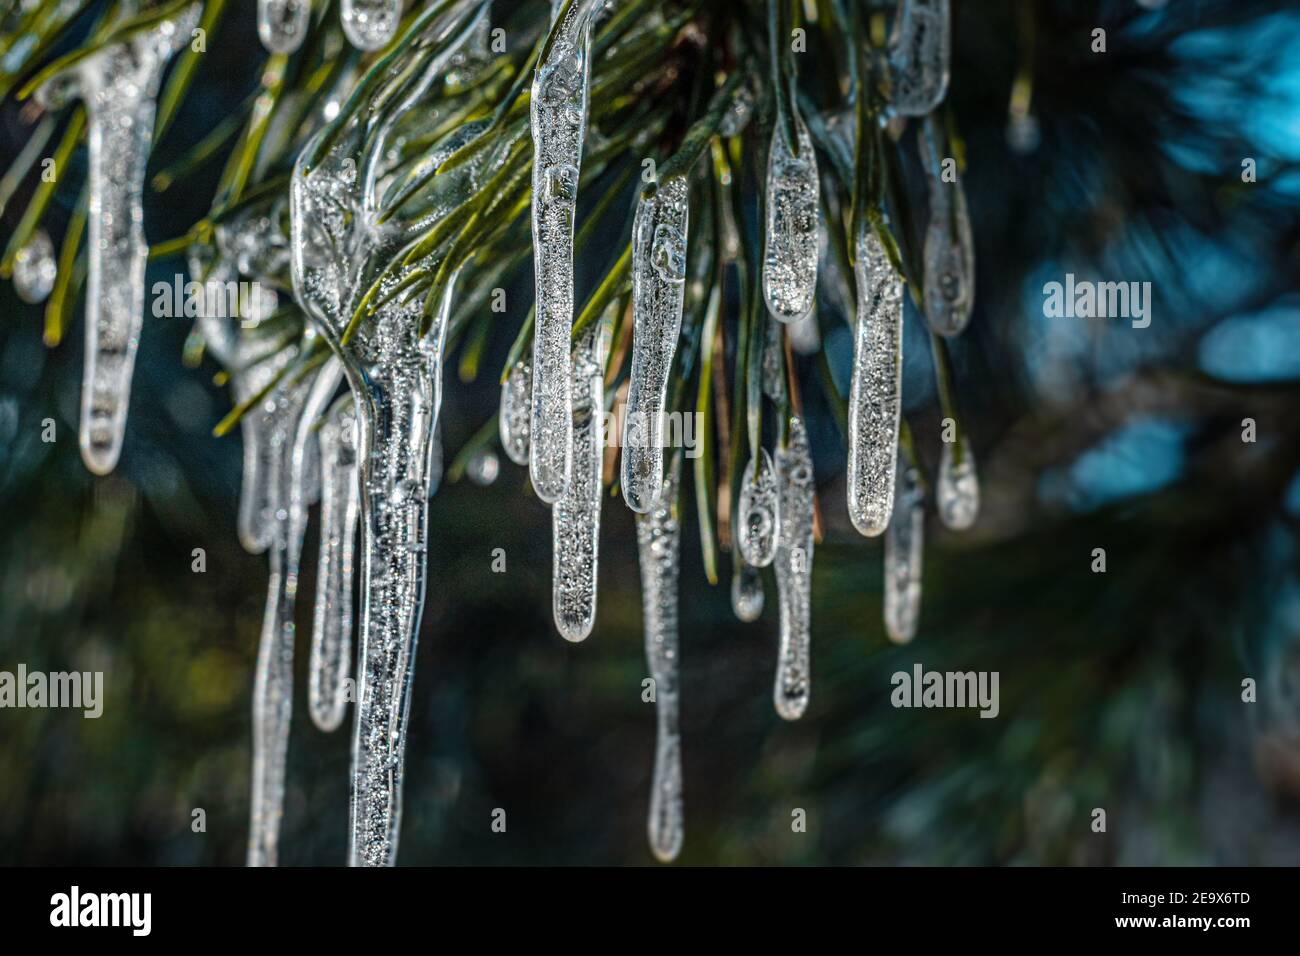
pixel 1119 690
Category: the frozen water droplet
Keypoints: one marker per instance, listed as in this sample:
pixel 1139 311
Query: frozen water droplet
pixel 794 557
pixel 558 116
pixel 331 635
pixel 758 512
pixel 904 539
pixel 793 215
pixel 747 593
pixel 658 544
pixel 35 268
pixel 949 253
pixel 119 85
pixel 575 517
pixel 876 388
pixel 958 491
pixel 483 468
pixel 516 412
pixel 282 24
pixel 919 53
pixel 656 323
pixel 370 24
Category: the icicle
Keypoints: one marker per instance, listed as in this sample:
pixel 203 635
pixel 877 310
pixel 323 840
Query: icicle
pixel 273 686
pixel 559 122
pixel 949 247
pixel 746 592
pixel 35 268
pixel 794 557
pixel 119 85
pixel 331 636
pixel 658 543
pixel 876 388
pixel 575 518
pixel 658 284
pixel 919 52
pixel 903 543
pixel 339 250
pixel 759 512
pixel 958 491
pixel 282 24
pixel 793 218
pixel 370 24
pixel 515 416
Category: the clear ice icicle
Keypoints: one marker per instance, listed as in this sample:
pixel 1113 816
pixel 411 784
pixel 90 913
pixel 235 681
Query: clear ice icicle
pixel 282 24
pixel 370 24
pixel 919 52
pixel 794 557
pixel 949 253
pixel 875 391
pixel 658 536
pixel 273 683
pixel 340 503
pixel 35 268
pixel 746 592
pixel 559 123
pixel 758 512
pixel 575 517
pixel 958 491
pixel 904 540
pixel 793 217
pixel 339 251
pixel 658 285
pixel 514 419
pixel 119 85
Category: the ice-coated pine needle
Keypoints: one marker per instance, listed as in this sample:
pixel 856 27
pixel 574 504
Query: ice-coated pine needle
pixel 758 512
pixel 119 86
pixel 515 417
pixel 904 541
pixel 920 47
pixel 793 219
pixel 949 253
pixel 658 286
pixel 875 391
pixel 658 545
pixel 575 517
pixel 340 503
pixel 794 557
pixel 559 124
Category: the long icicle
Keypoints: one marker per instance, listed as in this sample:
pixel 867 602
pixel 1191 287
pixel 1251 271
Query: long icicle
pixel 949 252
pixel 120 87
pixel 575 517
pixel 559 124
pixel 794 558
pixel 658 285
pixel 920 48
pixel 904 540
pixel 875 393
pixel 658 537
pixel 793 223
pixel 340 505
pixel 273 685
